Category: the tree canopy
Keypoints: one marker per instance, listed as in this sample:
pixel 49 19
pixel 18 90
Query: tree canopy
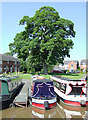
pixel 46 38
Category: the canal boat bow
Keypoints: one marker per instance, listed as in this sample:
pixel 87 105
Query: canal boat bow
pixel 43 95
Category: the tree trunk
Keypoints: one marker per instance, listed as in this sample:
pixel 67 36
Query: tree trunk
pixel 45 71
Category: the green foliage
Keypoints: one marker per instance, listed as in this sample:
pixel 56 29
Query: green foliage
pixel 9 73
pixel 20 46
pixel 67 71
pixel 50 68
pixel 8 53
pixel 33 63
pixel 41 71
pixel 46 39
pixel 78 68
pixel 23 66
pixel 4 74
pixel 32 71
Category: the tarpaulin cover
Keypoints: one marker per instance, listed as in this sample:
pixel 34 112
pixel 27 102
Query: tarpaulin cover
pixel 43 89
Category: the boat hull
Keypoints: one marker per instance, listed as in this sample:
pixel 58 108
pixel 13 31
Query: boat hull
pixel 38 103
pixel 71 102
pixel 5 104
pixel 75 103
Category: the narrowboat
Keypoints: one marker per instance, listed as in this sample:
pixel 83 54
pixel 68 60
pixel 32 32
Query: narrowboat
pixel 71 92
pixel 43 95
pixel 9 88
pixel 34 77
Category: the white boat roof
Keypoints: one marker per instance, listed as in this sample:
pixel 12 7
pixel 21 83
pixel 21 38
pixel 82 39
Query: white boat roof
pixel 66 80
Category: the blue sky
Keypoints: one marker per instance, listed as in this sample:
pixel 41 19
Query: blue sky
pixel 13 12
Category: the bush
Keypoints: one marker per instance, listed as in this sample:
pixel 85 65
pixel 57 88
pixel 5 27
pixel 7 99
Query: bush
pixel 28 71
pixel 32 71
pixel 36 73
pixel 3 74
pixel 67 71
pixel 14 72
pixel 41 71
pixel 23 72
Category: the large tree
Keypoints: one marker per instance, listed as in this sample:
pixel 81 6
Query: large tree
pixel 46 38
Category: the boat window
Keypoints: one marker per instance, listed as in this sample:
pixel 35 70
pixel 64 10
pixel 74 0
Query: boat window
pixel 4 88
pixel 10 86
pixel 60 86
pixel 76 89
pixel 63 88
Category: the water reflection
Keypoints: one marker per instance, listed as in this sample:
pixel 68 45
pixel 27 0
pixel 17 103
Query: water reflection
pixel 60 111
pixel 73 111
pixel 39 113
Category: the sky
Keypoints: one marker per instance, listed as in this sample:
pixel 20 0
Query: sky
pixel 13 12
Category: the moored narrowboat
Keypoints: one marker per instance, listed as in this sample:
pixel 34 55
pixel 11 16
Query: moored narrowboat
pixel 35 77
pixel 43 95
pixel 9 88
pixel 71 92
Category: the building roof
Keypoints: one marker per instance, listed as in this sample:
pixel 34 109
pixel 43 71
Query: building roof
pixel 58 68
pixel 85 61
pixel 8 58
pixel 67 62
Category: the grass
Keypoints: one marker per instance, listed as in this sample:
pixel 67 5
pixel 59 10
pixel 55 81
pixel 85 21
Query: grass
pixel 71 75
pixel 25 76
pixel 67 75
pixel 28 76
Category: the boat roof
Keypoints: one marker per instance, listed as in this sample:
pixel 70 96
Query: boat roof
pixel 63 78
pixel 42 80
pixel 7 79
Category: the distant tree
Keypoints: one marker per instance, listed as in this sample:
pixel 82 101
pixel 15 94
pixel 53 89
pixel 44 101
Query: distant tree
pixel 47 38
pixel 8 53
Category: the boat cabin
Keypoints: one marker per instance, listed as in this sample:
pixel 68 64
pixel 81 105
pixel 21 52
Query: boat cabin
pixel 8 84
pixel 72 92
pixel 70 87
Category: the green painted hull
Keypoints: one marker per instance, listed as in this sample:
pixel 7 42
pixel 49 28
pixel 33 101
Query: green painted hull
pixel 6 100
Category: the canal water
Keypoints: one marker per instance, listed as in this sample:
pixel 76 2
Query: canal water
pixel 60 111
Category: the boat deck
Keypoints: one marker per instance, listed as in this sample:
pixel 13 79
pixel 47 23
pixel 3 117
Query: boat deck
pixel 22 99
